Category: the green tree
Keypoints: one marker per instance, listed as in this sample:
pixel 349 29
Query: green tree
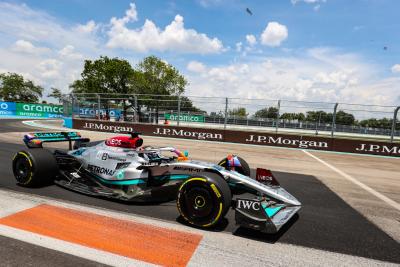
pixel 300 116
pixel 384 123
pixel 187 105
pixel 288 116
pixel 56 93
pixel 105 75
pixel 344 118
pixel 271 112
pixel 218 114
pixel 238 112
pixel 159 78
pixel 156 77
pixel 152 76
pixel 318 116
pixel 108 76
pixel 14 87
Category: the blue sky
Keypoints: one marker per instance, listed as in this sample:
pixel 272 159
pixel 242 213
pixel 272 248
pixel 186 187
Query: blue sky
pixel 316 50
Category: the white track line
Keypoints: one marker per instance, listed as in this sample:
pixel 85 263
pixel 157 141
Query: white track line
pixel 384 198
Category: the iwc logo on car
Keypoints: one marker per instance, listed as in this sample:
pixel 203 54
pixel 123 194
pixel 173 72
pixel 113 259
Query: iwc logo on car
pixel 248 204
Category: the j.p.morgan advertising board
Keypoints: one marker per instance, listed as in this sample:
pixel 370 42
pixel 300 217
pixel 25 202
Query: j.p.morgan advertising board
pixel 243 137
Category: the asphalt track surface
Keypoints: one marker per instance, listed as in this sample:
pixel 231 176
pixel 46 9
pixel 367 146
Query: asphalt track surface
pixel 325 221
pixel 28 253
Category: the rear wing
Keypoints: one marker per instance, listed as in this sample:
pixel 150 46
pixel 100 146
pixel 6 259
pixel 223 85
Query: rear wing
pixel 36 140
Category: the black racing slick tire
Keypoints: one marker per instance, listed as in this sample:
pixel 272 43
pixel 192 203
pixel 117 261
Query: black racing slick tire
pixel 34 167
pixel 203 201
pixel 243 169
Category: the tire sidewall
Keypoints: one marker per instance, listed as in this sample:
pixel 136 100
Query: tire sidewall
pixel 43 166
pixel 221 199
pixel 19 156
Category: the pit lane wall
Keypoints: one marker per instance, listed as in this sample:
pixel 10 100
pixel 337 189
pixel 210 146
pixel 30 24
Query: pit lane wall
pixel 246 137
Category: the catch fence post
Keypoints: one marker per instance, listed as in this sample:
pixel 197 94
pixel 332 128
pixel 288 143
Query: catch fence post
pixel 98 103
pixel 334 119
pixel 179 109
pixel 396 111
pixel 226 112
pixel 277 115
pixel 73 104
pixel 135 102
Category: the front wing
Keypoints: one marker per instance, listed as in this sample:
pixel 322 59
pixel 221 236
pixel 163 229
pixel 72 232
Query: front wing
pixel 261 215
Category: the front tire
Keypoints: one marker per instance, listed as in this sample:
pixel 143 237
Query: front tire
pixel 203 201
pixel 34 167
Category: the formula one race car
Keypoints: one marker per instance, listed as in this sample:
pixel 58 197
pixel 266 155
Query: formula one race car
pixel 120 168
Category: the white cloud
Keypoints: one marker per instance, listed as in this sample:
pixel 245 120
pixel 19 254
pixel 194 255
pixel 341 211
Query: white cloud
pixel 175 37
pixel 50 68
pixel 308 1
pixel 68 52
pixel 396 68
pixel 239 46
pixel 43 49
pixel 274 34
pixel 208 3
pixel 24 46
pixel 23 23
pixel 87 28
pixel 321 74
pixel 251 39
pixel 196 66
pixel 316 3
pixel 130 16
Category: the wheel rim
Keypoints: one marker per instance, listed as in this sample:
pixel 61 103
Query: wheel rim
pixel 22 170
pixel 199 203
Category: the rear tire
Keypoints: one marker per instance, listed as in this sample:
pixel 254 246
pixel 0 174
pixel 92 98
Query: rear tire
pixel 34 167
pixel 203 201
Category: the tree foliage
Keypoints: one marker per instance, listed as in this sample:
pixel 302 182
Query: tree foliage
pixel 14 87
pixel 159 78
pixel 117 76
pixel 56 93
pixel 238 112
pixel 342 117
pixel 156 77
pixel 105 75
pixel 114 77
pixel 345 118
pixel 271 113
pixel 293 116
pixel 384 123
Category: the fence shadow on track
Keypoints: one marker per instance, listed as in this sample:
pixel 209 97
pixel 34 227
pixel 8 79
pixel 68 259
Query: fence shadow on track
pixel 327 222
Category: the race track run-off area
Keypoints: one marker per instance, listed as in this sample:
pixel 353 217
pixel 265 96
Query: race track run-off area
pixel 349 215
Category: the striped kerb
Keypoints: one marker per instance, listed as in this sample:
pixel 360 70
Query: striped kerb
pixel 130 239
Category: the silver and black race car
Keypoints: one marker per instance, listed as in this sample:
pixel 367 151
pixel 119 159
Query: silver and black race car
pixel 120 168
